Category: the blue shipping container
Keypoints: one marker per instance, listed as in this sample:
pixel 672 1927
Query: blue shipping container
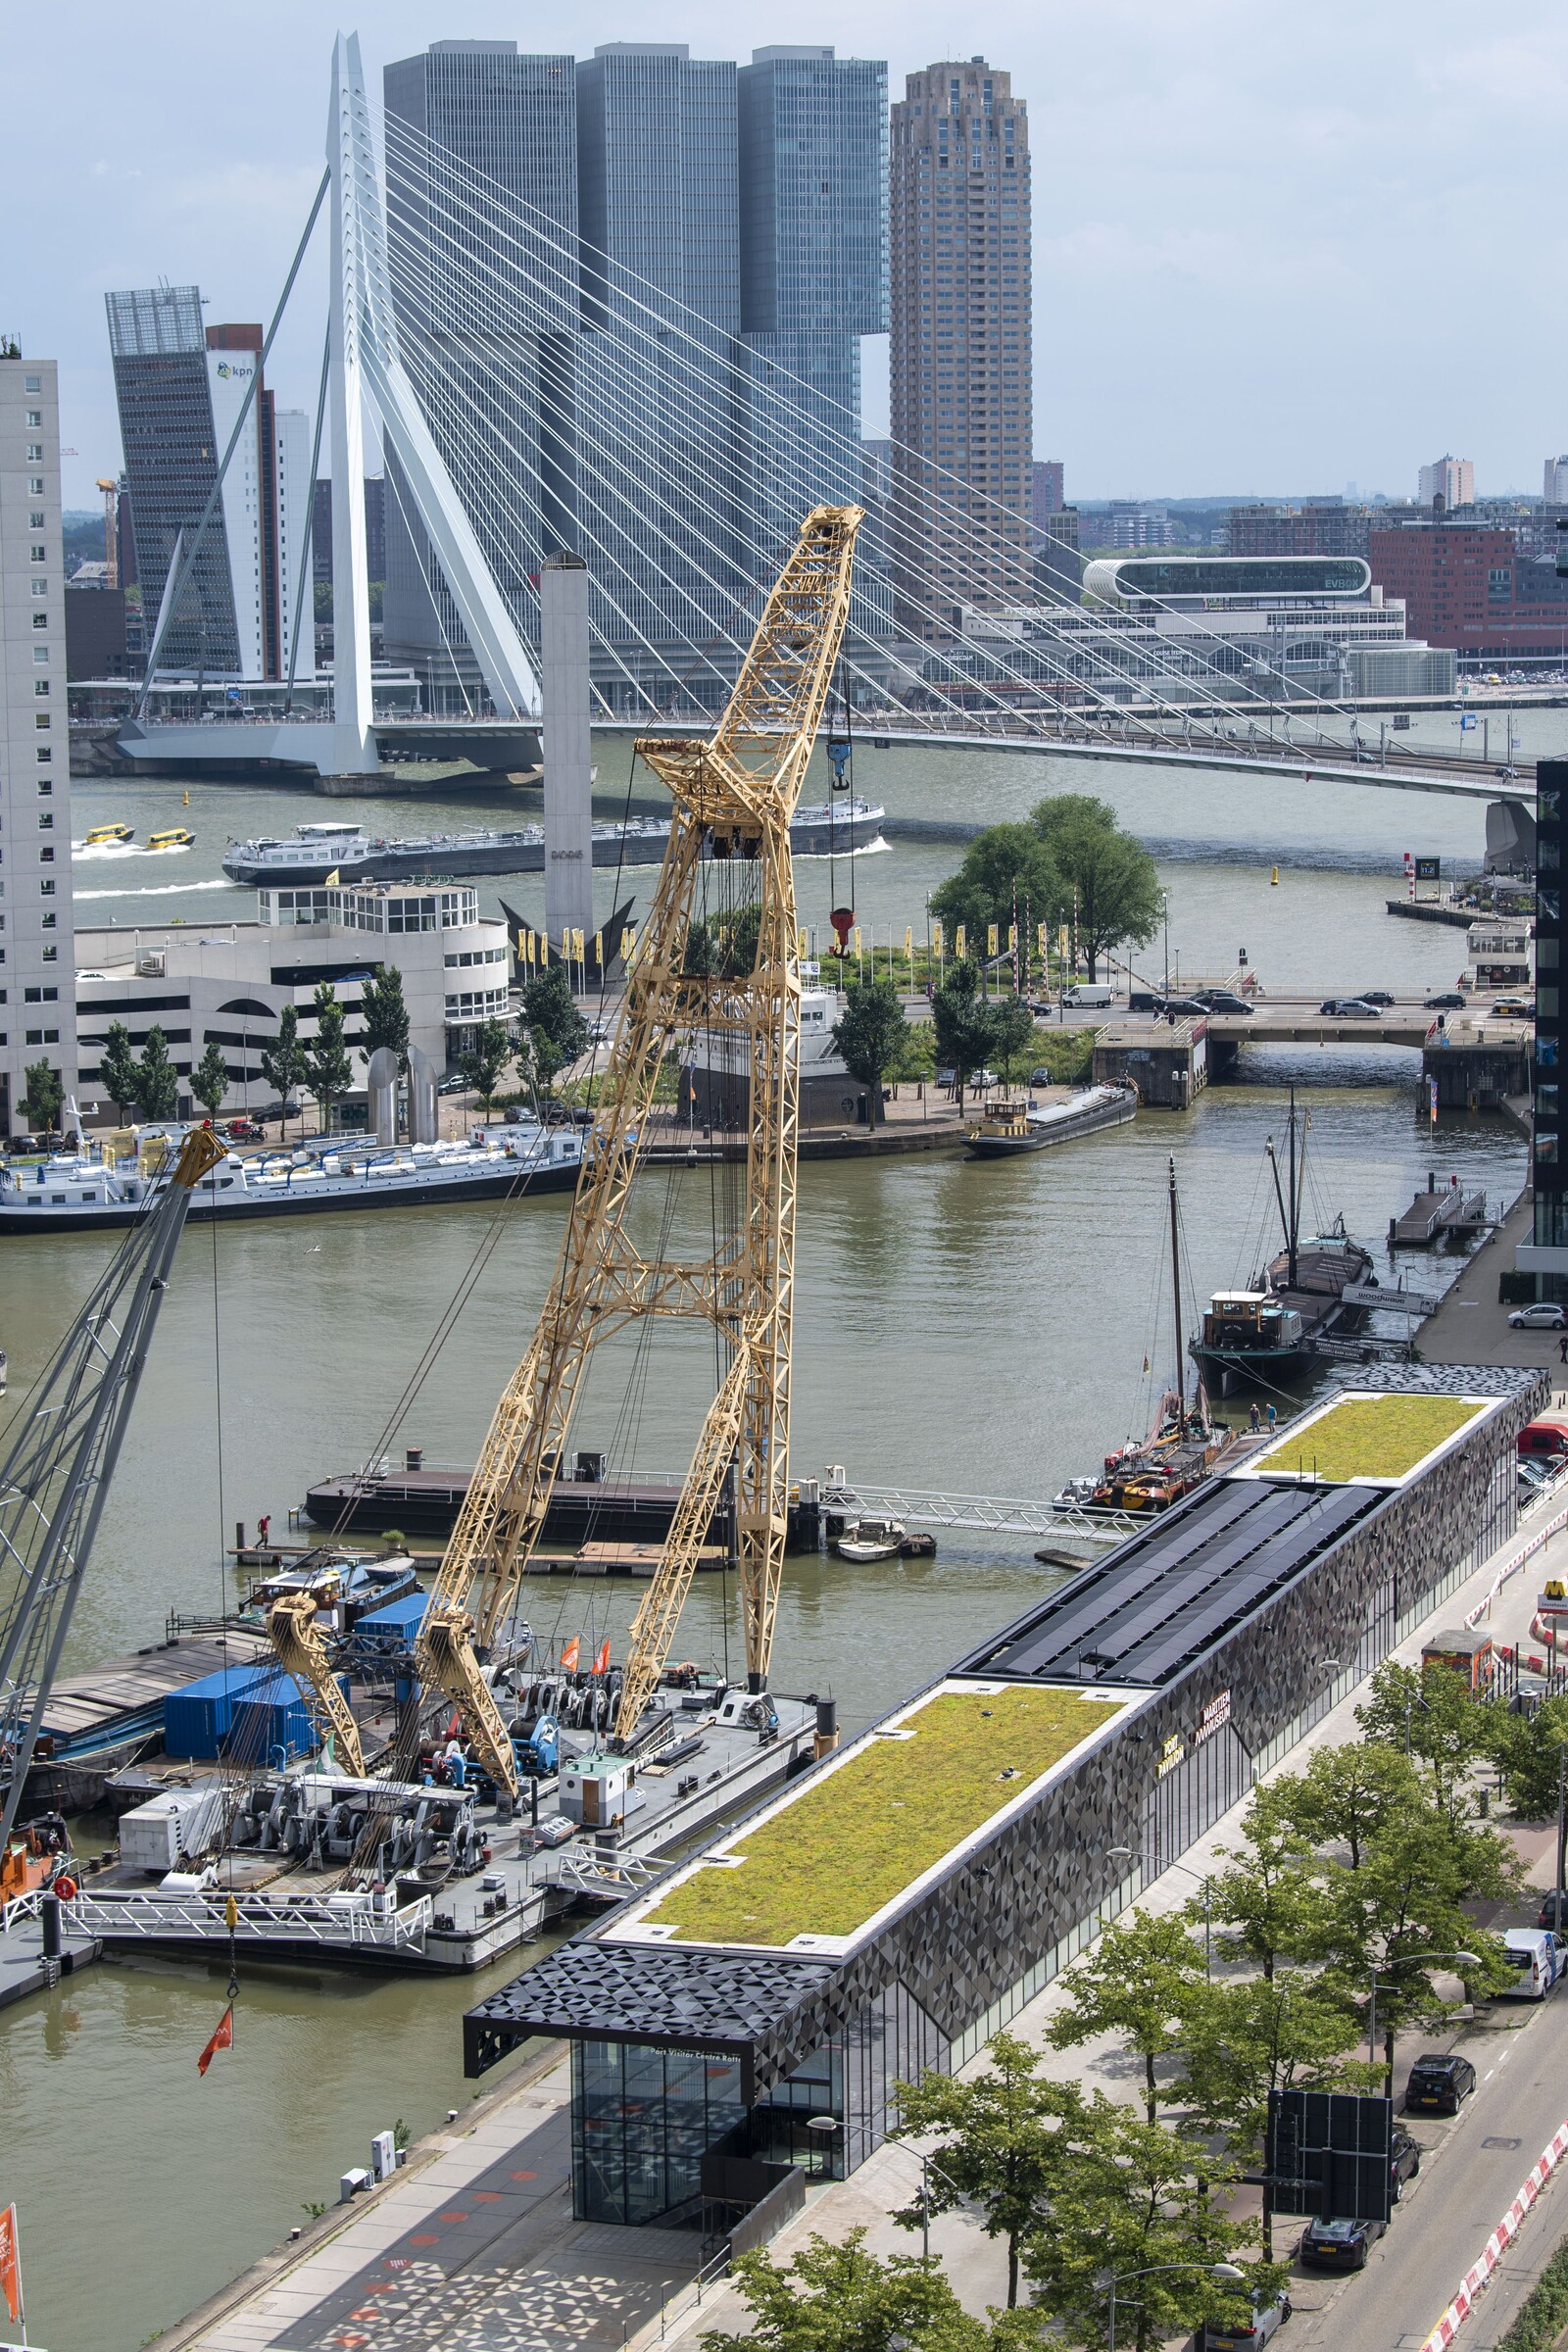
pixel 274 1716
pixel 198 1720
pixel 391 1629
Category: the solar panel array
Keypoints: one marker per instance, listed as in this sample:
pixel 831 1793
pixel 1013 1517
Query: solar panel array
pixel 1161 1600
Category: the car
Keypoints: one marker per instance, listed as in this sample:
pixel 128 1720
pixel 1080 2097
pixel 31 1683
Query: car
pixel 1447 1000
pixel 1536 1955
pixel 1182 1008
pixel 1438 2083
pixel 1404 2161
pixel 1268 2318
pixel 1353 1008
pixel 1514 1008
pixel 1339 2245
pixel 1543 1315
pixel 456 1084
pixel 243 1131
pixel 1223 1000
pixel 1534 1478
pixel 1553 1912
pixel 1041 1077
pixel 1373 995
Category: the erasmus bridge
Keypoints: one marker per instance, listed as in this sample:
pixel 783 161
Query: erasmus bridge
pixel 531 395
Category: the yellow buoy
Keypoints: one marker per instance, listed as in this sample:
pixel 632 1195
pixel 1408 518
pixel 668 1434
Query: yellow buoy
pixel 1274 879
pixel 188 799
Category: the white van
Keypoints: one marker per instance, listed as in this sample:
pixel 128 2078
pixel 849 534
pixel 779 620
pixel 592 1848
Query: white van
pixel 1535 1954
pixel 1089 993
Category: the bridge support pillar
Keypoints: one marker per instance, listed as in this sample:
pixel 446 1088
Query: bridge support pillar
pixel 567 751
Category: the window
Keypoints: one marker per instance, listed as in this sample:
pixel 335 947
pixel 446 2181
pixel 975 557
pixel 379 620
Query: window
pixel 34 453
pixel 37 553
pixel 39 588
pixel 46 823
pixel 40 653
pixel 46 788
pixel 44 1037
pixel 36 520
pixel 51 954
pixel 40 720
pixel 41 996
pixel 40 621
pixel 40 685
pixel 32 383
pixel 46 888
pixel 45 754
pixel 36 418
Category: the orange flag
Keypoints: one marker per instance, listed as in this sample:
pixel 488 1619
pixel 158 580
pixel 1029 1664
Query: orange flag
pixel 223 2039
pixel 571 1654
pixel 10 2264
pixel 602 1661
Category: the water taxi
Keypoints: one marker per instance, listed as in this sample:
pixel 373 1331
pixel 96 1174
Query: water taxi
pixel 172 837
pixel 102 837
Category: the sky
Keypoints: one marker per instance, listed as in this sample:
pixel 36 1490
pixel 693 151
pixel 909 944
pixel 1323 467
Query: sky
pixel 1275 251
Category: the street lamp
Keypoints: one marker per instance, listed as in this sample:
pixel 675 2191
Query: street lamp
pixel 1198 1880
pixel 1405 1960
pixel 1229 2271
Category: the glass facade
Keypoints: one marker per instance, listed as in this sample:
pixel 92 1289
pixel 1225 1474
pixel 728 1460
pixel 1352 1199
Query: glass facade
pixel 643 2117
pixel 1551 1154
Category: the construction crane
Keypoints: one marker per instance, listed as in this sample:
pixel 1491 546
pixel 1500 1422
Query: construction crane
pixel 303 1652
pixel 111 496
pixel 733 798
pixel 54 1480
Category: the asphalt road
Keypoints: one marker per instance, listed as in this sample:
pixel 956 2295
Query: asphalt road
pixel 1472 2168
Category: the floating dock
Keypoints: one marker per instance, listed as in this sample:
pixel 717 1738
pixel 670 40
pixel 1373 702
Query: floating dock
pixel 1436 1213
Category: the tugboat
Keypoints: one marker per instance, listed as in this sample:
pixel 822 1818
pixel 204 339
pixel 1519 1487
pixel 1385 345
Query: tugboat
pixel 1272 1333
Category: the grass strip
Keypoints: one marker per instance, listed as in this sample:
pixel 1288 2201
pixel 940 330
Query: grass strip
pixel 857 1836
pixel 1541 2324
pixel 1370 1437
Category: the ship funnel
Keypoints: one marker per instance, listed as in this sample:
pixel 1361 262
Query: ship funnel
pixel 422 1097
pixel 381 1076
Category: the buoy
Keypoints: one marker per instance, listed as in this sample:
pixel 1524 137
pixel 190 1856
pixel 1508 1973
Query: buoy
pixel 188 799
pixel 1274 879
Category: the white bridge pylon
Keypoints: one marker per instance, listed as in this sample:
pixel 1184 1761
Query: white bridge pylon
pixel 364 361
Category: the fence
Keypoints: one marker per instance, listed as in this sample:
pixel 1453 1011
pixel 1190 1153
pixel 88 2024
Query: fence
pixel 203 1919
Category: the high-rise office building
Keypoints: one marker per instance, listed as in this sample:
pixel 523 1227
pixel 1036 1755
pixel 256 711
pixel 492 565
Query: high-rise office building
pixel 37 975
pixel 180 388
pixel 1448 481
pixel 481 181
pixel 960 341
pixel 1554 484
pixel 1050 479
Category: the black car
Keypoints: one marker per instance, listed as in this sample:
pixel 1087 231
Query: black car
pixel 1404 2161
pixel 1439 2081
pixel 1355 1008
pixel 1554 1911
pixel 1182 1008
pixel 1339 2245
pixel 1223 1000
pixel 1447 1000
pixel 1373 995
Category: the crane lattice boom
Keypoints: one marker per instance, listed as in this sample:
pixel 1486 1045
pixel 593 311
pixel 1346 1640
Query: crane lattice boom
pixel 733 797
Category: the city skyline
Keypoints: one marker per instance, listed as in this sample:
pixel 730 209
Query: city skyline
pixel 1392 192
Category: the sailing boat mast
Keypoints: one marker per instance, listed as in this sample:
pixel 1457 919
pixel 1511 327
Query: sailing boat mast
pixel 1293 1231
pixel 1176 1291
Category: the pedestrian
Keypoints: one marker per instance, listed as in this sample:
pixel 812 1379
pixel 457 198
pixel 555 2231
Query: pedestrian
pixel 263 1526
pixel 1255 1419
pixel 1272 1416
pixel 1562 1349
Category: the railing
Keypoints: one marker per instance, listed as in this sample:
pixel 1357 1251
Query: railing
pixel 689 2298
pixel 1518 1559
pixel 998 1516
pixel 260 1919
pixel 22 1906
pixel 581 1873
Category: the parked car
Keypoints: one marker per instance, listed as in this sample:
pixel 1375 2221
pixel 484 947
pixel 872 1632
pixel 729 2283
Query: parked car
pixel 1348 1009
pixel 1404 2161
pixel 456 1084
pixel 1543 1315
pixel 1373 995
pixel 1553 1911
pixel 1339 2245
pixel 1223 1000
pixel 1218 2336
pixel 1447 1000
pixel 242 1131
pixel 1534 1478
pixel 1039 1077
pixel 1438 2083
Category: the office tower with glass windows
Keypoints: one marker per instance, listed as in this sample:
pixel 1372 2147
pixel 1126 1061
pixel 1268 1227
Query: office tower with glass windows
pixel 481 186
pixel 37 972
pixel 1546 1255
pixel 961 343
pixel 180 389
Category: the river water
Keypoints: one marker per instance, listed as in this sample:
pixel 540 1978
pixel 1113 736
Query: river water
pixel 982 1329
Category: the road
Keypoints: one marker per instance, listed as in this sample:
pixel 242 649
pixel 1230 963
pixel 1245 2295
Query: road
pixel 1471 2171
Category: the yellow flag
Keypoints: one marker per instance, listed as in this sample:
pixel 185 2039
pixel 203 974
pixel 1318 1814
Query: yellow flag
pixel 856 939
pixel 991 939
pixel 960 943
pixel 628 942
pixel 1042 948
pixel 936 939
pixel 334 876
pixel 598 947
pixel 576 945
pixel 909 941
pixel 799 941
pixel 1013 938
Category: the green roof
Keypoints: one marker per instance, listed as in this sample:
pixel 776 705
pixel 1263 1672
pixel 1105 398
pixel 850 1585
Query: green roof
pixel 862 1831
pixel 1368 1436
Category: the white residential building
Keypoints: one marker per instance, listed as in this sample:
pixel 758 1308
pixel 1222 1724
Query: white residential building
pixel 38 1013
pixel 1453 479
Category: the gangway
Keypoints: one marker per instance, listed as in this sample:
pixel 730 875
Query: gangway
pixel 996 1515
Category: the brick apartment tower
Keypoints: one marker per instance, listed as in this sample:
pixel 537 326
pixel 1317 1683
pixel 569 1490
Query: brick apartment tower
pixel 961 394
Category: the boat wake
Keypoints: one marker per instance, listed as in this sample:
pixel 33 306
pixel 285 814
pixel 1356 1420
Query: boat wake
pixel 98 850
pixel 867 849
pixel 157 890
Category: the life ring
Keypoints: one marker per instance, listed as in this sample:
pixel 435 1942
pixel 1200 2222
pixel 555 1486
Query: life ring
pixel 64 1885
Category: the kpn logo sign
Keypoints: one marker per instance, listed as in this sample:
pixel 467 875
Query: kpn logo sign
pixel 232 370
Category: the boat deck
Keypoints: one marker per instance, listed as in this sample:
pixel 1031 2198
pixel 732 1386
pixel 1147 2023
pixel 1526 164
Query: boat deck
pixel 106 1701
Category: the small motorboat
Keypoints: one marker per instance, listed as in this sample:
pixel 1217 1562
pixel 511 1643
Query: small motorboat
pixel 172 837
pixel 104 837
pixel 866 1540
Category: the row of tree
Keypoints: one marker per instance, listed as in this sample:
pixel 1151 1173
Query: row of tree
pixel 1069 863
pixel 968 1032
pixel 1369 1862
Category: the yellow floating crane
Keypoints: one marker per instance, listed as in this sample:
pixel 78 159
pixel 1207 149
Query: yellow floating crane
pixel 733 798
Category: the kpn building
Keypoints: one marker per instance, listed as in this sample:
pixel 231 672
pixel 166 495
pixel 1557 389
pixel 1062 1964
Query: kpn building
pixel 746 2020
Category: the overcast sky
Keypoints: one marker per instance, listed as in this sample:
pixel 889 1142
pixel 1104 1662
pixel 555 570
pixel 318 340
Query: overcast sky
pixel 1275 250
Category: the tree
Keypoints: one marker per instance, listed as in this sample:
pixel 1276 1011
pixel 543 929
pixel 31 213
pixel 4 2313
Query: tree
pixel 1529 1751
pixel 915 1058
pixel 1346 1795
pixel 329 1071
pixel 485 1053
pixel 1429 1712
pixel 1007 2133
pixel 1113 876
pixel 839 2298
pixel 386 1015
pixel 43 1097
pixel 117 1068
pixel 1012 1035
pixel 283 1062
pixel 1135 2197
pixel 1007 875
pixel 962 1020
pixel 1269 1898
pixel 1257 2034
pixel 209 1080
pixel 723 947
pixel 1139 1982
pixel 157 1079
pixel 869 1035
pixel 545 1061
pixel 548 1006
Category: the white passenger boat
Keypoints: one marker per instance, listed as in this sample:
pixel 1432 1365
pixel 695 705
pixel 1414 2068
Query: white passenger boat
pixel 72 1193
